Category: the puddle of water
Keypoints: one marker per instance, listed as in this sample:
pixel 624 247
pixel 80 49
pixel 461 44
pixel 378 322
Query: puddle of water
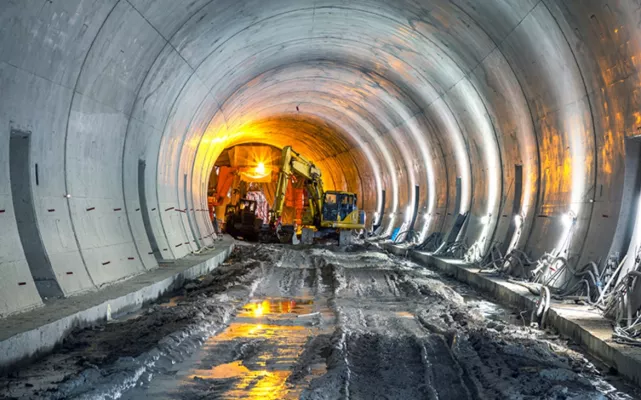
pixel 260 308
pixel 229 370
pixel 281 333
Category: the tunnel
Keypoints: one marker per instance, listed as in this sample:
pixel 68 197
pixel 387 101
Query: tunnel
pixel 496 124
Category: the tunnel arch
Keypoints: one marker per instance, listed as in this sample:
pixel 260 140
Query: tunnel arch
pixel 390 96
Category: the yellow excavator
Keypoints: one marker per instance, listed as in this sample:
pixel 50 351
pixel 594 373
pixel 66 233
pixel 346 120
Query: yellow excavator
pixel 326 211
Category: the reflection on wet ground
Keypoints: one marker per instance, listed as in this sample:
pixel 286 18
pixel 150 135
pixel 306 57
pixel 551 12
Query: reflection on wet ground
pixel 258 355
pixel 253 358
pixel 280 332
pixel 257 309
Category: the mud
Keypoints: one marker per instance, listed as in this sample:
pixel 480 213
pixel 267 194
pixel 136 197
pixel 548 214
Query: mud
pixel 277 322
pixel 106 359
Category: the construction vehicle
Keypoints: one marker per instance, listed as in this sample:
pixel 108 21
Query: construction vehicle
pixel 236 170
pixel 333 211
pixel 230 191
pixel 241 220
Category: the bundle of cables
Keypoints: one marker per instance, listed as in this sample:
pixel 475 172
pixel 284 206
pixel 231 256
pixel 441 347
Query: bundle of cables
pixel 474 253
pixel 590 285
pixel 543 276
pixel 456 249
pixel 431 243
pixel 492 260
pixel 515 263
pixel 407 236
pixel 620 304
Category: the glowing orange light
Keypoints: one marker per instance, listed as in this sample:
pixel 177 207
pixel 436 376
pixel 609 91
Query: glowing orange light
pixel 259 173
pixel 259 310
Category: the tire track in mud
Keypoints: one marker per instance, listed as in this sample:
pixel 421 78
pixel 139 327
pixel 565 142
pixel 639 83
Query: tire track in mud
pixel 377 351
pixel 407 335
pixel 273 348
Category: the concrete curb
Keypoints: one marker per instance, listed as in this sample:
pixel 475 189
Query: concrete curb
pixel 585 327
pixel 32 343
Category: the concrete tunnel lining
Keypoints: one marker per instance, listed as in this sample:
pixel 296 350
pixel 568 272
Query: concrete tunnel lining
pixel 476 88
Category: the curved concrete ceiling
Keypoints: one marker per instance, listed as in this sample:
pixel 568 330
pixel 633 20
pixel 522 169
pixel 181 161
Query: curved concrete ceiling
pixel 130 100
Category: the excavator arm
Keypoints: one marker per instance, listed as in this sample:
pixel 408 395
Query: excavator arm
pixel 225 180
pixel 293 163
pixel 341 212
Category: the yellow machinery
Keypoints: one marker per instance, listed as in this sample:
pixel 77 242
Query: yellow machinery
pixel 326 210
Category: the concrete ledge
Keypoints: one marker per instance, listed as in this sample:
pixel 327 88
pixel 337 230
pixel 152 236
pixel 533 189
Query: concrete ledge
pixel 27 336
pixel 583 325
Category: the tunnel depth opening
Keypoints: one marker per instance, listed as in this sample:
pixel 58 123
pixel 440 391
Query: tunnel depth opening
pixel 245 172
pixel 246 161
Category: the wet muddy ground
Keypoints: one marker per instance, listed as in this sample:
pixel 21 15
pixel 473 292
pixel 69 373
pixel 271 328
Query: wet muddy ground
pixel 278 322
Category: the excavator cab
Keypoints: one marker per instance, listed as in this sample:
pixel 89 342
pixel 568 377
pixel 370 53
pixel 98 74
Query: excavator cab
pixel 340 210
